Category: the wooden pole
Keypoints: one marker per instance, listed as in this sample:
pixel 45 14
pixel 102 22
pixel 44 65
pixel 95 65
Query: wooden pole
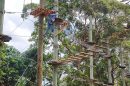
pixel 128 62
pixel 2 2
pixel 109 71
pixel 91 57
pixel 109 65
pixel 122 64
pixel 40 48
pixel 55 48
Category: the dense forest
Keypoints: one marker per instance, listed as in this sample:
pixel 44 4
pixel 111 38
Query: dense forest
pixel 110 23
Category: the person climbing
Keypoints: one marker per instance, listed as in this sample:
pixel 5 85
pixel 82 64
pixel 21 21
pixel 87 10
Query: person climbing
pixel 52 20
pixel 50 23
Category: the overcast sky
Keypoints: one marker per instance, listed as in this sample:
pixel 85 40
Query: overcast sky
pixel 14 26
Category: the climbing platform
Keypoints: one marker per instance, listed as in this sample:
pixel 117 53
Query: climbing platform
pixel 128 75
pixel 4 38
pixel 122 66
pixel 91 43
pixel 97 46
pixel 61 24
pixel 42 11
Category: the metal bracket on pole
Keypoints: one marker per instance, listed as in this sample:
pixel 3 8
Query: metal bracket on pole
pixel 2 12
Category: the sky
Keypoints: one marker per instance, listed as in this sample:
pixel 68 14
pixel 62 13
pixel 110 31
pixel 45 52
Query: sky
pixel 20 30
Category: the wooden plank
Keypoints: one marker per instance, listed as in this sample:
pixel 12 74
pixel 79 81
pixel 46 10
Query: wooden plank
pixel 70 60
pixel 78 57
pixel 85 53
pixel 55 63
pixel 101 47
pixel 82 56
pixel 106 43
pixel 75 58
pixel 91 43
pixel 94 51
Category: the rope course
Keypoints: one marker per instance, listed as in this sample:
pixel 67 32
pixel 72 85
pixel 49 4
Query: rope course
pixel 91 48
pixel 90 51
pixel 80 56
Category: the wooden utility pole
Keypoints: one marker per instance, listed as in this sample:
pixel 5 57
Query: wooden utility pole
pixel 122 66
pixel 2 2
pixel 128 63
pixel 40 48
pixel 55 48
pixel 109 72
pixel 91 57
pixel 110 82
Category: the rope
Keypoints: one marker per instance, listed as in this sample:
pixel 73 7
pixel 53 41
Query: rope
pixel 20 25
pixel 17 27
pixel 25 69
pixel 19 36
pixel 13 12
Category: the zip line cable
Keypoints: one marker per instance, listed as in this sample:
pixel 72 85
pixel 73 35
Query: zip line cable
pixel 19 36
pixel 9 12
pixel 17 27
pixel 25 70
pixel 20 25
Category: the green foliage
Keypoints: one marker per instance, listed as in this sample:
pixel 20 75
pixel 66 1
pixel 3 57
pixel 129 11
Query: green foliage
pixel 27 8
pixel 11 66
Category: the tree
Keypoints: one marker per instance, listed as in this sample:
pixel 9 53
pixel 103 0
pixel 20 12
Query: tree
pixel 11 66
